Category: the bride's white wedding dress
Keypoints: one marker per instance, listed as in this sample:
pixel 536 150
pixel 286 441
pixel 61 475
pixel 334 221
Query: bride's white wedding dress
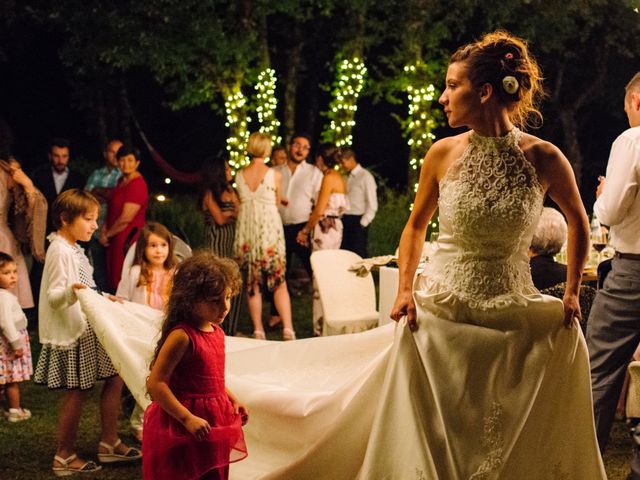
pixel 491 386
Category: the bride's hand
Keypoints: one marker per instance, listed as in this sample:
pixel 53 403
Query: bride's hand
pixel 405 306
pixel 572 311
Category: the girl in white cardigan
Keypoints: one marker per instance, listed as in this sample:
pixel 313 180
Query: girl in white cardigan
pixel 15 351
pixel 72 358
pixel 148 281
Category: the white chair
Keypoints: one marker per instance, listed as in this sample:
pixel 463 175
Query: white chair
pixel 180 248
pixel 348 301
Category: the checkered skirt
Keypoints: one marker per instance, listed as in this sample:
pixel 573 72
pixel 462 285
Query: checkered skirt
pixel 75 367
pixel 18 369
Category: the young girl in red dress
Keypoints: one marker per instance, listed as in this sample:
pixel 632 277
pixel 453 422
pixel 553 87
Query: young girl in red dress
pixel 193 428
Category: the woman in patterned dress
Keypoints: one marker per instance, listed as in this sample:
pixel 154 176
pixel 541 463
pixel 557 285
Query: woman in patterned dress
pixel 220 204
pixel 323 230
pixel 259 243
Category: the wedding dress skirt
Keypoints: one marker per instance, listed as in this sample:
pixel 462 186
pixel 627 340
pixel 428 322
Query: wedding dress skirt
pixel 514 403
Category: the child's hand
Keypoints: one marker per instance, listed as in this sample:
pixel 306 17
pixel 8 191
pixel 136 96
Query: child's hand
pixel 198 427
pixel 239 408
pixel 18 353
pixel 78 286
pixel 113 298
pixel 243 411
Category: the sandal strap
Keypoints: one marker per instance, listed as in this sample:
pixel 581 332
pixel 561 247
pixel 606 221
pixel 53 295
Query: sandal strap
pixel 65 461
pixel 110 448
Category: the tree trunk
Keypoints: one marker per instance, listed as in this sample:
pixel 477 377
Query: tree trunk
pixel 101 116
pixel 125 119
pixel 571 144
pixel 291 81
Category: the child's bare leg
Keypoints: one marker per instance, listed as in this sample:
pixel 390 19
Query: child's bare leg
pixel 13 394
pixel 110 409
pixel 68 421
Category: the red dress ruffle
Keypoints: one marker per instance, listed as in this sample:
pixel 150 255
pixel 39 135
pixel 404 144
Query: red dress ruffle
pixel 169 451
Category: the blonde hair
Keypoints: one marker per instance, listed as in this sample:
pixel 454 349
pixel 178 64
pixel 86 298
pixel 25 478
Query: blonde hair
pixel 498 55
pixel 259 145
pixel 70 204
pixel 633 85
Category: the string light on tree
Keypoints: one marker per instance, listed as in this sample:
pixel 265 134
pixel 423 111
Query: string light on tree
pixel 236 108
pixel 266 104
pixel 422 119
pixel 349 82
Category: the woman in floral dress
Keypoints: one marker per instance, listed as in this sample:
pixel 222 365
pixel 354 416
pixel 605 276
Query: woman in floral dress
pixel 259 243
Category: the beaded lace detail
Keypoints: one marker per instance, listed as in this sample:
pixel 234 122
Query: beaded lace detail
pixel 490 200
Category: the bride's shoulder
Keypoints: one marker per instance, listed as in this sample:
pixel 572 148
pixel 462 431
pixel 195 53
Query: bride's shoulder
pixel 450 146
pixel 537 149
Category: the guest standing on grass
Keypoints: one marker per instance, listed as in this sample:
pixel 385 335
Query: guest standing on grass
pixel 613 333
pixel 259 243
pixel 71 357
pixel 126 214
pixel 100 184
pixel 15 350
pixel 148 282
pixel 323 231
pixel 220 205
pixel 363 204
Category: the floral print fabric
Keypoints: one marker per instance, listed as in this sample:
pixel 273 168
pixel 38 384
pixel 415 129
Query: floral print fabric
pixel 259 242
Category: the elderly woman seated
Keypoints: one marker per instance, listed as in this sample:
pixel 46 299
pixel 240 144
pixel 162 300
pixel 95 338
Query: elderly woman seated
pixel 548 239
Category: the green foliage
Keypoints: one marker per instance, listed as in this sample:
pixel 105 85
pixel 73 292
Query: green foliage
pixel 182 216
pixel 386 228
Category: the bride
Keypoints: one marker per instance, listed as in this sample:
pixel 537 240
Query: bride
pixel 483 377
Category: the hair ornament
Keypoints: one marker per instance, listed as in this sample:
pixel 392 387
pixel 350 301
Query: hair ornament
pixel 510 84
pixel 508 56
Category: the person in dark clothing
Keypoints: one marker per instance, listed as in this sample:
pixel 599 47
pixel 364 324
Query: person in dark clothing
pixel 547 241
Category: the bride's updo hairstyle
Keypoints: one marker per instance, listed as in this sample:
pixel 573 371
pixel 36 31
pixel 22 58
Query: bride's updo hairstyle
pixel 503 60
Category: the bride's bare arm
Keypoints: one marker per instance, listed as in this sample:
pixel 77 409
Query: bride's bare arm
pixel 562 188
pixel 414 232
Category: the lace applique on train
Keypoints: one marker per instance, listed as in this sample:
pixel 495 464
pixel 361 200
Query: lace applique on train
pixel 490 201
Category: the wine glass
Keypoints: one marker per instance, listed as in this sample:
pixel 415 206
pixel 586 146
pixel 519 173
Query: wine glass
pixel 599 240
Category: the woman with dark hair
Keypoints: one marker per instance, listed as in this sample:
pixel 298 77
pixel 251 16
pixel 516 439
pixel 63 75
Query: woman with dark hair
pixel 323 230
pixel 220 204
pixel 487 378
pixel 23 213
pixel 126 213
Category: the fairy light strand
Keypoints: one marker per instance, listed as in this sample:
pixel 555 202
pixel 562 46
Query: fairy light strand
pixel 266 104
pixel 349 82
pixel 236 109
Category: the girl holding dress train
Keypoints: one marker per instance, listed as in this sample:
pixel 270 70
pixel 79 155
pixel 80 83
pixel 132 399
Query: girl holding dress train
pixel 71 357
pixel 148 281
pixel 193 428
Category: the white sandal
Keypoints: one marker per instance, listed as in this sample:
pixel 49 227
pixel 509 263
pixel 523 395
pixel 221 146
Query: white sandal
pixel 111 456
pixel 288 334
pixel 65 470
pixel 259 335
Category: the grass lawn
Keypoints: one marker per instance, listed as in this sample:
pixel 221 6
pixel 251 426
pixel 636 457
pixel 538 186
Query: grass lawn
pixel 27 448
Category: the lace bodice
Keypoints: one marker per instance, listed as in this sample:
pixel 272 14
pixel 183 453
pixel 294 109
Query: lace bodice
pixel 490 201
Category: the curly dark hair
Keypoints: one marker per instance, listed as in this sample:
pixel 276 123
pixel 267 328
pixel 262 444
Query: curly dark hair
pixel 498 55
pixel 204 277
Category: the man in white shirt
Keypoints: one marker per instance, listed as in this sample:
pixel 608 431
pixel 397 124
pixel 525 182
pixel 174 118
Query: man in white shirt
pixel 613 330
pixel 300 186
pixel 363 204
